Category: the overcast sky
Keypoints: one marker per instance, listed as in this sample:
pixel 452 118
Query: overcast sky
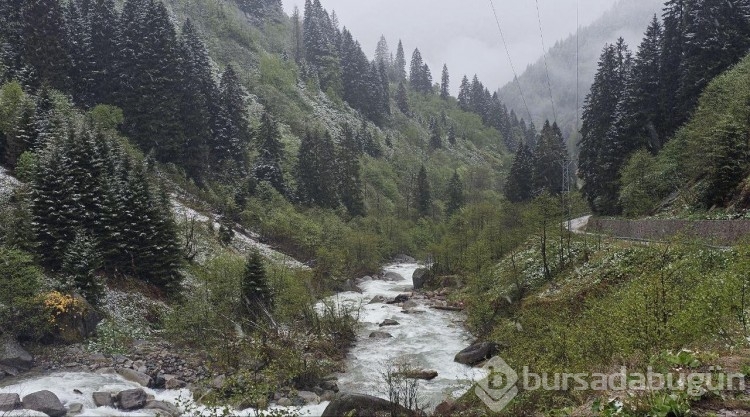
pixel 463 33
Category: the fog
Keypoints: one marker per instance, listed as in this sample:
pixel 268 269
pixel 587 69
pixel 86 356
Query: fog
pixel 463 34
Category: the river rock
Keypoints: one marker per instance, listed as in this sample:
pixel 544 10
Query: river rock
pixel 392 276
pixel 132 399
pixel 309 397
pixel 330 385
pixel 165 409
pixel 445 409
pixel 380 335
pixel 75 408
pixel 476 353
pixel 135 376
pixel 378 299
pixel 103 399
pixel 389 322
pixel 420 277
pixel 12 355
pixel 45 402
pixel 9 402
pixel 404 259
pixel 410 304
pixel 402 298
pixel 363 405
pixel 174 383
pixel 420 374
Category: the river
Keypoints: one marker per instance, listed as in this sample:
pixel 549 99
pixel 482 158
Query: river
pixel 426 338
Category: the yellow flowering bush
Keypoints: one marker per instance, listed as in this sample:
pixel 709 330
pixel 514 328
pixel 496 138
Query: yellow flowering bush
pixel 57 304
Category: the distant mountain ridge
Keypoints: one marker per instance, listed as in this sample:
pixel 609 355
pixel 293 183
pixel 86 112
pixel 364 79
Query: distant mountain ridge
pixel 627 19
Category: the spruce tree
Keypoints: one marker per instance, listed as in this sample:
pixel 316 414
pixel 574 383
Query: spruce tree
pixel 350 186
pixel 232 134
pixel 400 64
pixel 671 61
pixel 45 47
pixel 456 198
pixel 445 83
pixel 268 167
pixel 519 187
pixel 464 94
pixel 549 155
pixel 316 171
pixel 104 26
pixel 257 295
pixel 417 75
pixel 436 140
pixel 402 99
pixel 423 197
pixel 298 47
pixel 383 53
pixel 80 264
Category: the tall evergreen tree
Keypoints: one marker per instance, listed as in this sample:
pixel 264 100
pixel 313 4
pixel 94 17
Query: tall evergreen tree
pixel 419 74
pixel 436 140
pixel 519 187
pixel 423 196
pixel 383 53
pixel 268 168
pixel 298 47
pixel 597 154
pixel 45 47
pixel 671 61
pixel 549 156
pixel 233 131
pixel 400 63
pixel 350 185
pixel 445 83
pixel 464 94
pixel 456 198
pixel 316 171
pixel 402 99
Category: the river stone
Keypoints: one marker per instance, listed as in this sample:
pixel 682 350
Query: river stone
pixel 410 304
pixel 404 259
pixel 309 397
pixel 380 335
pixel 330 386
pixel 285 402
pixel 165 409
pixel 402 298
pixel 476 353
pixel 420 277
pixel 378 299
pixel 45 402
pixel 392 276
pixel 9 402
pixel 363 405
pixel 103 399
pixel 420 374
pixel 13 355
pixel 132 399
pixel 174 383
pixel 135 376
pixel 75 408
pixel 389 322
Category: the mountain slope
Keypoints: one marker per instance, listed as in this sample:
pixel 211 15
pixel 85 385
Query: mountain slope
pixel 627 19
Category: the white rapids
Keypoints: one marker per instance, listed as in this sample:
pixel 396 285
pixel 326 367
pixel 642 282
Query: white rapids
pixel 426 338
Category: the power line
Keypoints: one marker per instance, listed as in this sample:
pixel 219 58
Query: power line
pixel 544 54
pixel 512 67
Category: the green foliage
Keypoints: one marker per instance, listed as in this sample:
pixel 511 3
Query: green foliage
pixel 20 281
pixel 105 117
pixel 257 295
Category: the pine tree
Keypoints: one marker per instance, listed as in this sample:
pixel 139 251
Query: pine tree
pixel 464 94
pixel 17 128
pixel 81 263
pixel 268 168
pixel 257 295
pixel 350 186
pixel 671 61
pixel 104 26
pixel 423 197
pixel 599 113
pixel 298 47
pixel 419 75
pixel 519 186
pixel 445 83
pixel 456 198
pixel 549 155
pixel 79 48
pixel 200 96
pixel 436 140
pixel 11 40
pixel 45 49
pixel 232 131
pixel 402 99
pixel 316 171
pixel 400 64
pixel 383 53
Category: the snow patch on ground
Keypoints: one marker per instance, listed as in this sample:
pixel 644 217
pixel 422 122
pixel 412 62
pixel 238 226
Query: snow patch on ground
pixel 8 183
pixel 244 241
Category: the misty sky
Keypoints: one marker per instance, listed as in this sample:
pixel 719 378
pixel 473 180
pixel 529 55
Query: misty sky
pixel 463 33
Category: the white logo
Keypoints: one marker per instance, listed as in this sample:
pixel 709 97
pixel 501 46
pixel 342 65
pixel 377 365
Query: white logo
pixel 499 388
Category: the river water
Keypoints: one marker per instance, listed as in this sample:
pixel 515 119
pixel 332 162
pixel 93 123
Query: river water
pixel 425 338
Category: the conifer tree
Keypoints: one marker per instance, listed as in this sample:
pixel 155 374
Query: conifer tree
pixel 400 64
pixel 402 99
pixel 436 140
pixel 519 187
pixel 671 62
pixel 419 74
pixel 456 198
pixel 316 171
pixel 549 155
pixel 350 186
pixel 445 83
pixel 45 48
pixel 257 295
pixel 81 263
pixel 104 26
pixel 383 53
pixel 298 47
pixel 464 94
pixel 232 131
pixel 268 168
pixel 423 197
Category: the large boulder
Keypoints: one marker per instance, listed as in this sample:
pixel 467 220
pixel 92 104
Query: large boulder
pixel 12 355
pixel 380 335
pixel 420 374
pixel 45 402
pixel 78 324
pixel 103 399
pixel 135 376
pixel 163 409
pixel 392 276
pixel 420 277
pixel 404 259
pixel 360 405
pixel 132 399
pixel 9 402
pixel 476 353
